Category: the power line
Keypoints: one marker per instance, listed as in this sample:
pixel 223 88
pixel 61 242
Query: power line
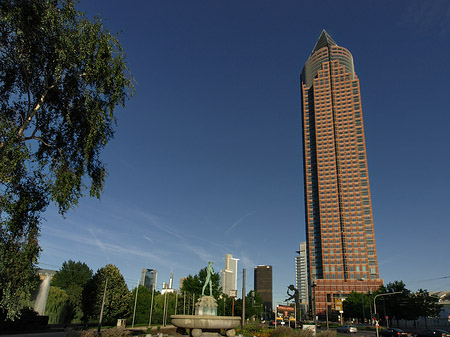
pixel 431 279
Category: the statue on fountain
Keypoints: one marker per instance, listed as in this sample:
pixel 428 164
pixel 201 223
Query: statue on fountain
pixel 207 305
pixel 208 281
pixel 205 322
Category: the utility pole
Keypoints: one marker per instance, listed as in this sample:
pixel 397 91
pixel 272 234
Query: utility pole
pixel 164 310
pixel 243 299
pixel 151 306
pixel 314 303
pixel 135 302
pixel 375 306
pixel 99 330
pixel 176 302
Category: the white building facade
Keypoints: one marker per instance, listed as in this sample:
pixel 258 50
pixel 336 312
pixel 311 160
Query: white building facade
pixel 228 277
pixel 301 274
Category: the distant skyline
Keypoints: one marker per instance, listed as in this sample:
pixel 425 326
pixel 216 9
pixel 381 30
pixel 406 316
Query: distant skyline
pixel 207 157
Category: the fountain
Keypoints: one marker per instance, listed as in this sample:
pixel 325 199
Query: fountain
pixel 40 295
pixel 205 322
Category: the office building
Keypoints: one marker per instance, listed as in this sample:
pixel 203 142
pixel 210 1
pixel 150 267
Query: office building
pixel 149 278
pixel 228 277
pixel 181 282
pixel 340 236
pixel 301 277
pixel 168 287
pixel 263 286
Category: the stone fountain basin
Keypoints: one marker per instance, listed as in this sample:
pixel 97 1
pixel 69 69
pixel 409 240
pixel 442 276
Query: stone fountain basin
pixel 205 322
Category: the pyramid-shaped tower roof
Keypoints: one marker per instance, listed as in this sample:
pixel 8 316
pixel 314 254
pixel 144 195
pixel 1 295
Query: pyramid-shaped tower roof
pixel 324 40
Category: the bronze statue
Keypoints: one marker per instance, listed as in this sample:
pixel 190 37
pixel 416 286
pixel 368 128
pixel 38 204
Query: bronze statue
pixel 208 280
pixel 294 296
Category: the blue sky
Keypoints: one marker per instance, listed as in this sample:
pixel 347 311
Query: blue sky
pixel 207 156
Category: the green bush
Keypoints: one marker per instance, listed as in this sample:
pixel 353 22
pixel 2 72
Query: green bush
pixel 327 333
pixel 113 332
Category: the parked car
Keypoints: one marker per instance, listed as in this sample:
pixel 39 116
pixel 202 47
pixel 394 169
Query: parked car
pixel 434 333
pixel 393 332
pixel 347 329
pixel 299 325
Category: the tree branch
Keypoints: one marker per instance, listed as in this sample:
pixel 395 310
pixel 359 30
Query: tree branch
pixel 36 108
pixel 38 139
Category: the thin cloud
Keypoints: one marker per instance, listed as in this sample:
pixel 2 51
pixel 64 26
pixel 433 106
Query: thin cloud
pixel 159 223
pixel 106 247
pixel 148 239
pixel 99 244
pixel 242 218
pixel 428 17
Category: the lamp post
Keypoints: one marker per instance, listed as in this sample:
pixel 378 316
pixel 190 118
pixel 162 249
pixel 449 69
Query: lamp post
pixel 362 300
pixel 375 306
pixel 313 285
pixel 326 311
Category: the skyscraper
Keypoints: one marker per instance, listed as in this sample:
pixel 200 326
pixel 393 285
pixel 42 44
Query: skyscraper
pixel 148 278
pixel 301 276
pixel 263 286
pixel 229 275
pixel 339 225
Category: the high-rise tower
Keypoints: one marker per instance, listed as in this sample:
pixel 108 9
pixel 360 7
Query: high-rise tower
pixel 339 226
pixel 148 278
pixel 262 282
pixel 229 276
pixel 301 276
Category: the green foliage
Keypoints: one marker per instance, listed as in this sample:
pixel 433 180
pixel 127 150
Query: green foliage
pixel 58 307
pixel 73 277
pixel 289 332
pixel 117 299
pixel 61 78
pixel 113 332
pixel 143 303
pixel 425 305
pixel 29 321
pixel 258 330
pixel 354 303
pixel 409 305
pixel 224 305
pixel 253 306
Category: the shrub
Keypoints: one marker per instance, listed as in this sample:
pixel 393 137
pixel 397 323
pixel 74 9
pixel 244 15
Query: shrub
pixel 113 332
pixel 258 330
pixel 327 333
pixel 116 332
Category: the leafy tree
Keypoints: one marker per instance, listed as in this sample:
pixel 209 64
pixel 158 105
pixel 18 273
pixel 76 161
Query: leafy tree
pixel 194 284
pixel 353 305
pixel 224 305
pixel 253 305
pixel 61 78
pixel 72 277
pixel 407 305
pixel 398 305
pixel 144 298
pixel 58 307
pixel 117 298
pixel 424 305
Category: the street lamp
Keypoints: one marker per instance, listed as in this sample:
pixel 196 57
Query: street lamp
pixel 362 298
pixel 313 285
pixel 375 306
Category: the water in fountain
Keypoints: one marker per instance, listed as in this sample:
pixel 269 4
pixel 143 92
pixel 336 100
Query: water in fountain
pixel 41 299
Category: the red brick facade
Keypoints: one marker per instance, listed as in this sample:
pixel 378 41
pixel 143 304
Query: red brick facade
pixel 340 234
